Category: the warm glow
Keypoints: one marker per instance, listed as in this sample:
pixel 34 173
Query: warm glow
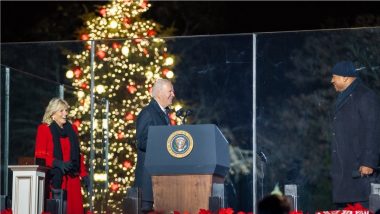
pixel 170 74
pixel 69 74
pixel 169 61
pixel 100 176
pixel 125 51
pixel 100 89
pixel 113 24
pixel 125 71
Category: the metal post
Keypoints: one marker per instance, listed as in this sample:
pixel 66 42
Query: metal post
pixel 106 145
pixel 291 194
pixel 254 186
pixel 61 91
pixel 92 150
pixel 106 139
pixel 6 129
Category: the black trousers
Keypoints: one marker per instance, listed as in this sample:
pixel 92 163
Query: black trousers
pixel 55 177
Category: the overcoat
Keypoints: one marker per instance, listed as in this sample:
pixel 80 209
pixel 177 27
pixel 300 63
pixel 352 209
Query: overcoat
pixel 44 150
pixel 355 143
pixel 150 115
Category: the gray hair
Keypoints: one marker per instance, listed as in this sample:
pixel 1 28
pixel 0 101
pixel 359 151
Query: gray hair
pixel 158 86
pixel 55 104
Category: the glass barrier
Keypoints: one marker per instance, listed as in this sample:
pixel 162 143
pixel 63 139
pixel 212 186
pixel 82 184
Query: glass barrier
pixel 295 99
pixel 22 110
pixel 208 74
pixel 269 94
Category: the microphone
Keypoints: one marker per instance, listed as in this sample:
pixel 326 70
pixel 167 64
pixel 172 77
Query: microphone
pixel 183 113
pixel 188 112
pixel 262 156
pixel 179 112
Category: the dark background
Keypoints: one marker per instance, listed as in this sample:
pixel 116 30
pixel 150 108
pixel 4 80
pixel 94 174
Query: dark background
pixel 23 21
pixel 57 21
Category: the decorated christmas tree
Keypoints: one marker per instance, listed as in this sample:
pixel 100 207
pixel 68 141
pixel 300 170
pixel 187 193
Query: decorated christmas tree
pixel 128 59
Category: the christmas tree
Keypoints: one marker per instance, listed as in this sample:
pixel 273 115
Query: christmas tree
pixel 125 71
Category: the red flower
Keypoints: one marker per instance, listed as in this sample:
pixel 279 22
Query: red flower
pixel 203 211
pixel 355 207
pixel 296 212
pixel 226 211
pixel 6 211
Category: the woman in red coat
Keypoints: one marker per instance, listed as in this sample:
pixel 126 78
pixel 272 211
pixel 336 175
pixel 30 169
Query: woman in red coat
pixel 57 143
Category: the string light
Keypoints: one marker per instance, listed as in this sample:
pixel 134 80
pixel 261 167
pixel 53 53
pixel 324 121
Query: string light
pixel 125 70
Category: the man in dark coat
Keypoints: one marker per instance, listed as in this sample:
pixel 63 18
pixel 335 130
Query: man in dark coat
pixel 154 114
pixel 355 137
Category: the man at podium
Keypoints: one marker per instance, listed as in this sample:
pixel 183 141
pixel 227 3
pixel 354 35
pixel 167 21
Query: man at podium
pixel 154 114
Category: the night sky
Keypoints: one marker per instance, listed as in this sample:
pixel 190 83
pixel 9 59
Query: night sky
pixel 59 20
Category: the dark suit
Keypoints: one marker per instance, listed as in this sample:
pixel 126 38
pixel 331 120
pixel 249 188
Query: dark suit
pixel 150 115
pixel 355 143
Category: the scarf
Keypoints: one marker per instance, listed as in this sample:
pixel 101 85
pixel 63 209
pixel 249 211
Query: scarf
pixel 67 131
pixel 346 93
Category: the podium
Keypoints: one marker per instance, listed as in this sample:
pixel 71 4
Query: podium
pixel 184 162
pixel 28 188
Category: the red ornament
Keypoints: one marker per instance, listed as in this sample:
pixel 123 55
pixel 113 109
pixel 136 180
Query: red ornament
pixel 84 85
pixel 114 186
pixel 84 37
pixel 77 123
pixel 116 45
pixel 132 89
pixel 120 135
pixel 145 51
pixel 101 54
pixel 127 164
pixel 144 4
pixel 150 89
pixel 77 71
pixel 129 116
pixel 137 40
pixel 127 22
pixel 151 32
pixel 165 71
pixel 103 11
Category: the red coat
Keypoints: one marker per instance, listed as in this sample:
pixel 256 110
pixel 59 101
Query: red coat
pixel 44 150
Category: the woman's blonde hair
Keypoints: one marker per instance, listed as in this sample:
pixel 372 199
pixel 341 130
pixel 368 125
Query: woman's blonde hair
pixel 55 104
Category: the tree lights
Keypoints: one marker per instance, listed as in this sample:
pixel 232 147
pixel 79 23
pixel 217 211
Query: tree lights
pixel 125 70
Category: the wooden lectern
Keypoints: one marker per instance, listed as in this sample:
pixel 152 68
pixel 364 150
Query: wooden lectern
pixel 28 188
pixel 185 161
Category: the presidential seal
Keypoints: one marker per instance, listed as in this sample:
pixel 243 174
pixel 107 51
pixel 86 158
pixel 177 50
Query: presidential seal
pixel 179 144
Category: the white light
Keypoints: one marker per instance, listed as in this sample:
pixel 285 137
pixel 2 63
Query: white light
pixel 125 51
pixel 69 74
pixel 177 107
pixel 100 89
pixel 149 74
pixel 113 24
pixel 169 61
pixel 100 177
pixel 170 74
pixel 80 94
